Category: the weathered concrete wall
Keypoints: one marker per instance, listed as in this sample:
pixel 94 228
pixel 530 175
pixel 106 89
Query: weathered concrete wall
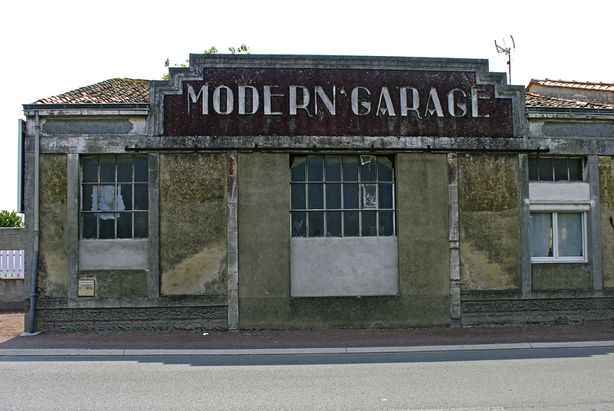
pixel 264 252
pixel 118 283
pixel 606 196
pixel 93 125
pixel 489 214
pixel 53 269
pixel 193 224
pixel 422 227
pixel 11 294
pixel 561 276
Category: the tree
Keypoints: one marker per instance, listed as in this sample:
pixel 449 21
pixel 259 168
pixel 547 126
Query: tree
pixel 10 219
pixel 242 49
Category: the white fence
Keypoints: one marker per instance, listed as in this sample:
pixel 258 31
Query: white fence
pixel 11 263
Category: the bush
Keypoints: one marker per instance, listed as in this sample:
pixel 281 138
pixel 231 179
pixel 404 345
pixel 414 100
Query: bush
pixel 10 219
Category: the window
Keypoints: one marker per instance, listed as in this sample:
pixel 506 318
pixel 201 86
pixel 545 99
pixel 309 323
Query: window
pixel 558 236
pixel 114 197
pixel 555 169
pixel 342 196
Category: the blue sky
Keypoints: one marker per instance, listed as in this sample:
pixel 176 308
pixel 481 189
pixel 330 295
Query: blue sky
pixel 50 47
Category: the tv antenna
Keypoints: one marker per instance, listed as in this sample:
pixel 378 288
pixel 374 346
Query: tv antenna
pixel 508 52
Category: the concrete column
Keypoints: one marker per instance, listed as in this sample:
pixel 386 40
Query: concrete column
pixel 72 223
pixel 232 238
pixel 594 223
pixel 454 240
pixel 153 282
pixel 526 279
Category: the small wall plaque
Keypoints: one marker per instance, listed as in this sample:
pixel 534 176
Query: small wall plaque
pixel 87 288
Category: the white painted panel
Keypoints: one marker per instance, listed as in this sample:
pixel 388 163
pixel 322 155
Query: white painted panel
pixel 350 266
pixel 553 192
pixel 113 254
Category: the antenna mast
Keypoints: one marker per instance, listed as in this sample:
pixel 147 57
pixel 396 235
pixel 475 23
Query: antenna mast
pixel 508 53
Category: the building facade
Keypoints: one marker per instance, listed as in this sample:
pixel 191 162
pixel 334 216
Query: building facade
pixel 309 192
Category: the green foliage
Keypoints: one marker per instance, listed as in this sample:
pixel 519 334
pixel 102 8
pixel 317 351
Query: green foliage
pixel 242 49
pixel 10 219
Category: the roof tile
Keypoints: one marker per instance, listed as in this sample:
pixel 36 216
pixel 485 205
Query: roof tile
pixel 113 91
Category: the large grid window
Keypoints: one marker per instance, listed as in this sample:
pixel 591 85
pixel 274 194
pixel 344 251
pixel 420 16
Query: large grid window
pixel 558 236
pixel 342 196
pixel 114 197
pixel 555 169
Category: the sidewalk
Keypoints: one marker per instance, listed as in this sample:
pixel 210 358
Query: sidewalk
pixel 305 341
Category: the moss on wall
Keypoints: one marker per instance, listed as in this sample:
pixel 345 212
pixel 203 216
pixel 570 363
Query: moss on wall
pixel 606 195
pixel 561 277
pixel 118 283
pixel 489 218
pixel 53 270
pixel 193 224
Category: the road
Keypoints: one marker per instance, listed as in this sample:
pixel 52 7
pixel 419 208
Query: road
pixel 538 379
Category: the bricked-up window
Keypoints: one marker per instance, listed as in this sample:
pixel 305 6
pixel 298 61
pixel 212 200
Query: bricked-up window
pixel 342 196
pixel 114 197
pixel 555 169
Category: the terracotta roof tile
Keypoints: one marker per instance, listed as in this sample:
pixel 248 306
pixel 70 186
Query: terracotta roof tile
pixel 113 91
pixel 586 85
pixel 538 100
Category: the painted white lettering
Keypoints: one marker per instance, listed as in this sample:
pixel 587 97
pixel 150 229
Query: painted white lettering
pixel 415 101
pixel 453 105
pixel 294 106
pixel 384 96
pixel 217 100
pixel 475 97
pixel 193 98
pixel 268 95
pixel 366 105
pixel 433 105
pixel 242 101
pixel 328 103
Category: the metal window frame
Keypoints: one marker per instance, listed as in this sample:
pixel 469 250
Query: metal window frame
pixel 115 183
pixel 342 182
pixel 568 179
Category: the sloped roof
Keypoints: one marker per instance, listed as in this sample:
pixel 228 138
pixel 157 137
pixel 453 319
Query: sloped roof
pixel 112 91
pixel 538 100
pixel 585 85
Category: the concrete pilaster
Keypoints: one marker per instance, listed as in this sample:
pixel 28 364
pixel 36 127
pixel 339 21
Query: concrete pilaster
pixel 232 236
pixel 525 227
pixel 153 283
pixel 594 223
pixel 454 240
pixel 72 222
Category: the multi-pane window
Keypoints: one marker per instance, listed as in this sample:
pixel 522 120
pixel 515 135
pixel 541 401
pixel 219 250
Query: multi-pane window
pixel 555 168
pixel 558 236
pixel 342 196
pixel 114 197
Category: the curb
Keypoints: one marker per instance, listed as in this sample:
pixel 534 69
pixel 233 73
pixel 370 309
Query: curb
pixel 84 352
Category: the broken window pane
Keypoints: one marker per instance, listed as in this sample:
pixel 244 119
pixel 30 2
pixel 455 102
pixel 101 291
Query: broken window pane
pixel 369 196
pixel 126 196
pixel 315 168
pixel 107 225
pixel 299 224
pixel 333 224
pixel 368 168
pixel 316 224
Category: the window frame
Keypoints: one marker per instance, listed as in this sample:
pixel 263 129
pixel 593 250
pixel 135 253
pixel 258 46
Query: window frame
pixel 343 209
pixel 553 169
pixel 554 213
pixel 133 211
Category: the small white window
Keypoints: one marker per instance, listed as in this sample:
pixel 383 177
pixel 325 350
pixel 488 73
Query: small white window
pixel 558 236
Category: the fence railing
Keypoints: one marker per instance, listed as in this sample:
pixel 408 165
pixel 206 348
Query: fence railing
pixel 11 263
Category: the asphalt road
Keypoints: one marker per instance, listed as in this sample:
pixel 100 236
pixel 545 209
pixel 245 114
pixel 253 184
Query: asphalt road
pixel 548 379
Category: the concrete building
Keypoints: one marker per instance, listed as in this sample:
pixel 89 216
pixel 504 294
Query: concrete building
pixel 254 191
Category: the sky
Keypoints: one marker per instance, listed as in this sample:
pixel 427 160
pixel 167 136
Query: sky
pixel 51 47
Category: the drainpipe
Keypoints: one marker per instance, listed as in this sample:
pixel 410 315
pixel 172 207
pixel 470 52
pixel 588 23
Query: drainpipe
pixel 34 277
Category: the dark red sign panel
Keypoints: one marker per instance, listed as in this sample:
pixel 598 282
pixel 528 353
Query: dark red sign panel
pixel 337 102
